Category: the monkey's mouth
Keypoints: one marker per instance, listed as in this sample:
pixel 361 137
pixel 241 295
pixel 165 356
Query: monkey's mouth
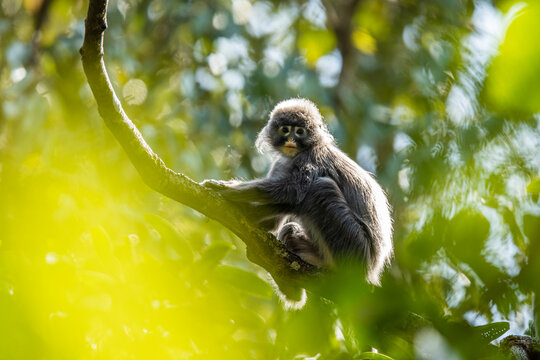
pixel 289 149
pixel 290 144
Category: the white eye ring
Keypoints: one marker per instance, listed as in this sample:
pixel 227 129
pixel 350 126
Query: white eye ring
pixel 300 132
pixel 284 130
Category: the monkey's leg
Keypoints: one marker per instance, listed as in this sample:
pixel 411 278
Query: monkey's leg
pixel 293 236
pixel 342 231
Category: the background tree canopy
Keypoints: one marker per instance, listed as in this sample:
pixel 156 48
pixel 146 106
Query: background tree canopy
pixel 440 99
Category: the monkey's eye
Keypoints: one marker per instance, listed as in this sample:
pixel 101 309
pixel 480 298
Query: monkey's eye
pixel 300 132
pixel 284 130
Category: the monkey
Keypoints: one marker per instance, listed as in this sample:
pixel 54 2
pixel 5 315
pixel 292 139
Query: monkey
pixel 321 204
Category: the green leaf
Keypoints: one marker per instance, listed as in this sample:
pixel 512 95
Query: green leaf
pixel 214 253
pixel 244 280
pixel 246 317
pixel 375 356
pixel 170 236
pixel 534 186
pixel 492 331
pixel 466 234
pixel 316 43
pixel 102 242
pixel 512 83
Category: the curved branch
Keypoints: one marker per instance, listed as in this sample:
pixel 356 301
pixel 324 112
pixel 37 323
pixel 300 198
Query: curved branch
pixel 262 247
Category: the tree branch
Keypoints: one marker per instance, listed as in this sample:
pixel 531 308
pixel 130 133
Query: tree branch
pixel 262 247
pixel 340 15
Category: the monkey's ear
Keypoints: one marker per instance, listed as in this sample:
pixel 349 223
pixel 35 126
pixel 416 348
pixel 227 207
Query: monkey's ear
pixel 263 140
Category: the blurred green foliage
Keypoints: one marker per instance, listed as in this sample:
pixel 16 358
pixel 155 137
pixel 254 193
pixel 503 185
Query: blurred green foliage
pixel 439 100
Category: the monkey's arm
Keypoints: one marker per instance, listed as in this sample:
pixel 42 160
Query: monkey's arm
pixel 240 191
pixel 251 198
pixel 281 191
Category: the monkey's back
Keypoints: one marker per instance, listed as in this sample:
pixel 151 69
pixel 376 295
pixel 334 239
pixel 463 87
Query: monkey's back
pixel 365 197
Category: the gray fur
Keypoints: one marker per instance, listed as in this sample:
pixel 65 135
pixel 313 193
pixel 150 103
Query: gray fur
pixel 327 209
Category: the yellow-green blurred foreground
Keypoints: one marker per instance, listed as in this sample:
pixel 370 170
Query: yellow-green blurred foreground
pixel 439 99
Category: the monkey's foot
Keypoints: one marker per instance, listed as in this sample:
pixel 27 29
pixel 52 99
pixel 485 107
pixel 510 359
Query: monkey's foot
pixel 294 238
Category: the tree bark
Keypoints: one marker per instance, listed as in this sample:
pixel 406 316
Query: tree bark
pixel 521 347
pixel 262 247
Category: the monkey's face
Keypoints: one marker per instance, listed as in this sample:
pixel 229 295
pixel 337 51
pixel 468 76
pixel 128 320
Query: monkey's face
pixel 289 137
pixel 295 126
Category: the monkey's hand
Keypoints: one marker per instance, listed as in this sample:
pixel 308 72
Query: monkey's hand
pixel 237 191
pixel 227 189
pixel 219 185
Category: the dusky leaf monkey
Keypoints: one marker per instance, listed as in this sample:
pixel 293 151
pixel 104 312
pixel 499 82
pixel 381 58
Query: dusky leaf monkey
pixel 323 206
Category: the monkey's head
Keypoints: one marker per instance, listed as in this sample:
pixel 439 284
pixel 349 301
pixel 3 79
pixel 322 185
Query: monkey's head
pixel 295 125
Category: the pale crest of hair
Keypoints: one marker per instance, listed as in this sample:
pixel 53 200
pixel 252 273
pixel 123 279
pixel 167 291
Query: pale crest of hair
pixel 298 105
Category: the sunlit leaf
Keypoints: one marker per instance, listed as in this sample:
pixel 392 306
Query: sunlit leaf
pixel 467 233
pixel 534 186
pixel 316 43
pixel 210 258
pixel 529 274
pixel 171 236
pixel 511 82
pixel 102 242
pixel 492 331
pixel 32 5
pixel 95 278
pixel 373 356
pixel 373 16
pixel 364 41
pixel 244 280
